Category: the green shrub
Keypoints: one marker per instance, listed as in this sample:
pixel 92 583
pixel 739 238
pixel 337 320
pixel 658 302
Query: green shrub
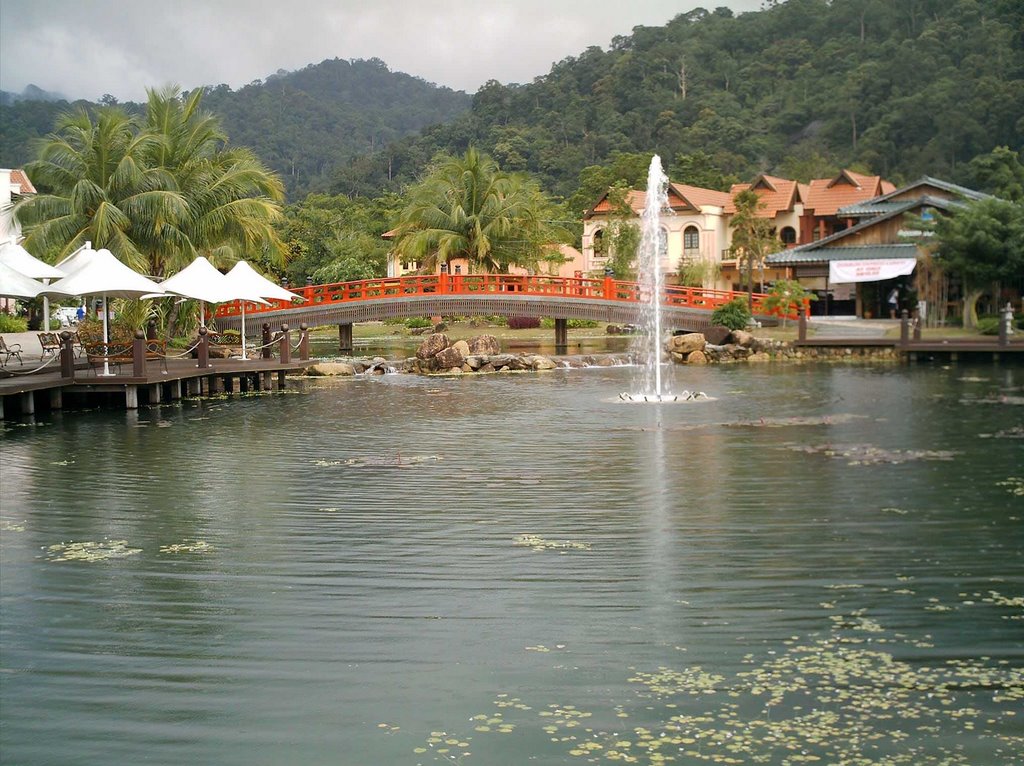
pixel 574 324
pixel 10 323
pixel 735 315
pixel 415 322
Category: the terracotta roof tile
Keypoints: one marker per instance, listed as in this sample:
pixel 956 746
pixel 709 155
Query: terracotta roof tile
pixel 778 195
pixel 696 196
pixel 21 178
pixel 827 195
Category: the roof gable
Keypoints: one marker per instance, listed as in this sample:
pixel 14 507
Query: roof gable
pixel 777 195
pixel 827 195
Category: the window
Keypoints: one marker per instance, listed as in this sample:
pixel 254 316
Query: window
pixel 691 238
pixel 788 235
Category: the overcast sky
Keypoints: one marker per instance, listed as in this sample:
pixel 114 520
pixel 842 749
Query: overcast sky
pixel 86 48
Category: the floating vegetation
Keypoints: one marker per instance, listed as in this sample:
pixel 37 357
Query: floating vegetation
pixel 1015 432
pixel 1014 485
pixel 381 461
pixel 541 544
pixel 867 454
pixel 823 420
pixel 12 526
pixel 90 551
pixel 197 546
pixel 837 696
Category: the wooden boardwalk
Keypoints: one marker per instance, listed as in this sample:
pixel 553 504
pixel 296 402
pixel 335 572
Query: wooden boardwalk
pixel 46 384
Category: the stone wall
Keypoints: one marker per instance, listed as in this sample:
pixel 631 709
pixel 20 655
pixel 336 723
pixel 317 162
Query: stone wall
pixel 742 346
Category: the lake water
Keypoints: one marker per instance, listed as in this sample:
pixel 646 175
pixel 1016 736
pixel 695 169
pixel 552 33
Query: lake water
pixel 824 564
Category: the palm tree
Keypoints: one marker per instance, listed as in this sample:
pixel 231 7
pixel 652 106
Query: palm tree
pixel 232 199
pixel 97 185
pixel 468 208
pixel 155 194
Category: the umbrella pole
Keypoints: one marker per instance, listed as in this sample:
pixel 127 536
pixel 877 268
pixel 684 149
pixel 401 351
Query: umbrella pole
pixel 106 339
pixel 244 356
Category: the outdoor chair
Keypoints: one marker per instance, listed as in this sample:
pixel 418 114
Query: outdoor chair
pixel 111 354
pixel 8 351
pixel 49 342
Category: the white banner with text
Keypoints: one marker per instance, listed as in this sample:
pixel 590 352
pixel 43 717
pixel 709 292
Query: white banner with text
pixel 873 270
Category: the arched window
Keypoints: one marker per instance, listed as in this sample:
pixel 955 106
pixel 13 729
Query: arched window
pixel 788 235
pixel 599 243
pixel 691 238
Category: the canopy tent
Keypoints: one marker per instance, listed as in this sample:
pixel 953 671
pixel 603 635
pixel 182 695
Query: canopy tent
pixel 244 278
pixel 14 284
pixel 20 259
pixel 201 281
pixel 104 275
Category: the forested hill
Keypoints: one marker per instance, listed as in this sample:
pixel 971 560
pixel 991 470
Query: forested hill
pixel 897 87
pixel 304 124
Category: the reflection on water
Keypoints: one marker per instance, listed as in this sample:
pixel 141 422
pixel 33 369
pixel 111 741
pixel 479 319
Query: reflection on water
pixel 506 569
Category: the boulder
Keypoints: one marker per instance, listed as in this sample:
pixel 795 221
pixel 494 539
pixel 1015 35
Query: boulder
pixel 486 367
pixel 475 362
pixel 760 356
pixel 432 345
pixel 440 327
pixel 684 344
pixel 543 363
pixel 448 358
pixel 485 345
pixel 742 338
pixel 331 368
pixel 717 334
pixel 605 361
pixel 500 360
pixel 462 347
pixel 696 357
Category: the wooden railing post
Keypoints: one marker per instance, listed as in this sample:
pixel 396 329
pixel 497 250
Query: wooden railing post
pixel 304 342
pixel 609 287
pixel 203 357
pixel 801 327
pixel 139 354
pixel 67 355
pixel 151 329
pixel 285 345
pixel 266 341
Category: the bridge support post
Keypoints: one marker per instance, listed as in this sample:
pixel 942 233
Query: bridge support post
pixel 131 397
pixel 801 326
pixel 904 329
pixel 345 338
pixel 561 335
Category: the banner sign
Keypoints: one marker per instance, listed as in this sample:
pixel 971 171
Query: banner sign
pixel 873 270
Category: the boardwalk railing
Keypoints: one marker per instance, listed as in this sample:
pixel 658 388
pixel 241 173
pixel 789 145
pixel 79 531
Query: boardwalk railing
pixel 498 285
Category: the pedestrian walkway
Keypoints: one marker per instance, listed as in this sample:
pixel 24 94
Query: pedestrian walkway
pixel 832 327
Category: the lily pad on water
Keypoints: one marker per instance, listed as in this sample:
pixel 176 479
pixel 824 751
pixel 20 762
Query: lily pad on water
pixel 90 551
pixel 867 454
pixel 538 543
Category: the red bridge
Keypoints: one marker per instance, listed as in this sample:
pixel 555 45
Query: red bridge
pixel 602 300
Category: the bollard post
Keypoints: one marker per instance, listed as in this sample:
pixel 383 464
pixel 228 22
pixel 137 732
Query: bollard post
pixel 801 326
pixel 204 348
pixel 345 344
pixel 139 354
pixel 67 355
pixel 304 342
pixel 286 349
pixel 151 329
pixel 266 340
pixel 904 328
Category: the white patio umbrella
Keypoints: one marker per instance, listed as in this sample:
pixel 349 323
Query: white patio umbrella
pixel 20 259
pixel 201 281
pixel 244 278
pixel 14 284
pixel 104 275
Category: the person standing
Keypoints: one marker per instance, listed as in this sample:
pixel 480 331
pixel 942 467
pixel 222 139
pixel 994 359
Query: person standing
pixel 894 302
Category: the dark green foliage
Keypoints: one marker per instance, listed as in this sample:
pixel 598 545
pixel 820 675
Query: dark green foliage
pixel 414 322
pixel 735 315
pixel 305 125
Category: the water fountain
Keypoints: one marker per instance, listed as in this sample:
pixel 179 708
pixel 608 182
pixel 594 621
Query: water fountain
pixel 647 347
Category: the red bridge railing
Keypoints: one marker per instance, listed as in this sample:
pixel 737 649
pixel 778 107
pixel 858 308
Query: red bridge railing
pixel 504 285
